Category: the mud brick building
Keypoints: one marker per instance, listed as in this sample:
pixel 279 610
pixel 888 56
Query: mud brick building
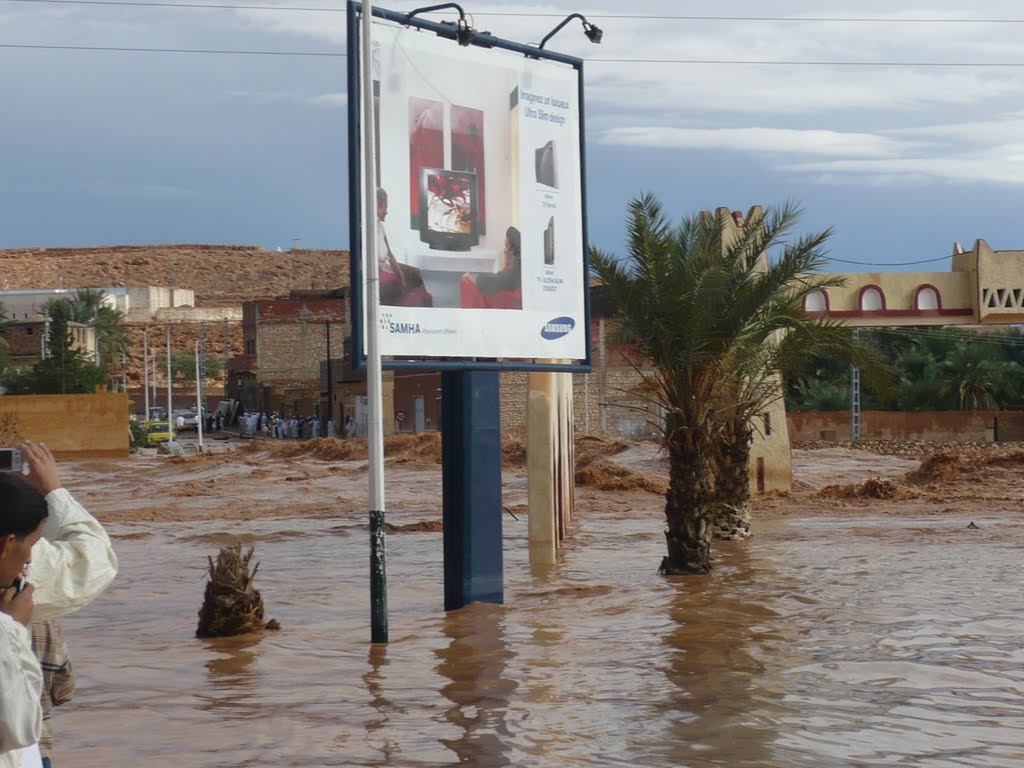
pixel 284 340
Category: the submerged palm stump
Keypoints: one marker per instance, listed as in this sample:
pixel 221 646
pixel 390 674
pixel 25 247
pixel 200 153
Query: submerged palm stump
pixel 231 605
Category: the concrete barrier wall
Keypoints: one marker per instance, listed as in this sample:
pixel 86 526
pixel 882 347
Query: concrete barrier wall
pixel 72 426
pixel 933 426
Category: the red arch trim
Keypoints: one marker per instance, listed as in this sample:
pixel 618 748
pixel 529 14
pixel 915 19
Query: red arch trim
pixel 921 287
pixel 860 298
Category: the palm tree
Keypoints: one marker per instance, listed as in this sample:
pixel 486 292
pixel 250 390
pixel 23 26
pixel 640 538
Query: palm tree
pixel 753 383
pixel 716 321
pixel 976 377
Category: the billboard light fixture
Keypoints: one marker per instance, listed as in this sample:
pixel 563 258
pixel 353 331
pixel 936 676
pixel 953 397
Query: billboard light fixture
pixel 593 32
pixel 464 34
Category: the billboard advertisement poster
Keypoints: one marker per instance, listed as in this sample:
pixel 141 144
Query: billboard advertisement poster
pixel 479 235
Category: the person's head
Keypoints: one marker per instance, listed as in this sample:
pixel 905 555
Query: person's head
pixel 513 246
pixel 382 203
pixel 22 511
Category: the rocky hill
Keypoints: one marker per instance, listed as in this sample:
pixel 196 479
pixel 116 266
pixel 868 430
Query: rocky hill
pixel 221 275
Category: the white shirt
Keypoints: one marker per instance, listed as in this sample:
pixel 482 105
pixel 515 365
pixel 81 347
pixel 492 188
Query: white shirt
pixel 383 248
pixel 21 683
pixel 71 565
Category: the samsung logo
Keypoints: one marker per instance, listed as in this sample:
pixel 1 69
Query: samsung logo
pixel 404 327
pixel 557 328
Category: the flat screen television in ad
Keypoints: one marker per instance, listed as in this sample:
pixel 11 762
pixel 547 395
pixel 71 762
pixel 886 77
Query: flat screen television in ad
pixel 448 209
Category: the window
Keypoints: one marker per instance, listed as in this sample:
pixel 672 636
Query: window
pixel 250 347
pixel 927 298
pixel 871 300
pixel 767 424
pixel 816 302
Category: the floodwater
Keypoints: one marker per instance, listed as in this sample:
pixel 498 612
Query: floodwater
pixel 822 641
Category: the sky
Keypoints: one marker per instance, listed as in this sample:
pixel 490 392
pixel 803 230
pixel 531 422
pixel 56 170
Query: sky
pixel 109 147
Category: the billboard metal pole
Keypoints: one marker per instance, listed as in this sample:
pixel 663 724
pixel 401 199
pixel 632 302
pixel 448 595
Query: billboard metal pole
pixel 374 371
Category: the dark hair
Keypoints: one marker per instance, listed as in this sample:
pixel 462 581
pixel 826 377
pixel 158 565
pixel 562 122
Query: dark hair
pixel 22 507
pixel 513 238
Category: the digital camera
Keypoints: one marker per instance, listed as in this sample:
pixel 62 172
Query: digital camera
pixel 10 460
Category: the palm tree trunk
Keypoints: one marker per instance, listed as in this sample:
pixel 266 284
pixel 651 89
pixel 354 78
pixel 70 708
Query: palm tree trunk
pixel 731 515
pixel 687 508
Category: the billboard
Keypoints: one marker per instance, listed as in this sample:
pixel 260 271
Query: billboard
pixel 479 234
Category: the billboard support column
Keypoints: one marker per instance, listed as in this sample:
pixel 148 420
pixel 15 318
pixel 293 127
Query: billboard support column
pixel 471 483
pixel 541 446
pixel 374 369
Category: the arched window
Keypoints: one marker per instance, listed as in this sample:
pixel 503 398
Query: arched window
pixel 871 299
pixel 816 302
pixel 927 298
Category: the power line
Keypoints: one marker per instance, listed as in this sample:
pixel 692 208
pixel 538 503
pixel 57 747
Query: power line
pixel 109 48
pixel 521 14
pixel 889 263
pixel 791 63
pixel 328 54
pixel 949 334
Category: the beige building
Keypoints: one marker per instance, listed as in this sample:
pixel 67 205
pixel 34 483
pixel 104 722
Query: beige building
pixel 983 287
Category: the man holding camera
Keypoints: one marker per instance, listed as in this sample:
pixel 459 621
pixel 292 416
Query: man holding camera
pixel 72 562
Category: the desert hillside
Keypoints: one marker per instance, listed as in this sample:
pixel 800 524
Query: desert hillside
pixel 221 275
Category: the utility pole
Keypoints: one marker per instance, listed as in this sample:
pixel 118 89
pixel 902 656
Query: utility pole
pixel 170 401
pixel 330 378
pixel 374 368
pixel 227 357
pixel 145 370
pixel 199 408
pixel 855 396
pixel 201 371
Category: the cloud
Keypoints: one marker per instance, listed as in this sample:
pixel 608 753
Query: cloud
pixel 332 100
pixel 772 140
pixel 134 190
pixel 989 166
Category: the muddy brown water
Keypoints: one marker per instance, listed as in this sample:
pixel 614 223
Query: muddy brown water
pixel 823 641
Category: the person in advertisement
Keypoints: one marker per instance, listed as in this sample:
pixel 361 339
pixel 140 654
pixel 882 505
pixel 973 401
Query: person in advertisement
pixel 400 284
pixel 503 289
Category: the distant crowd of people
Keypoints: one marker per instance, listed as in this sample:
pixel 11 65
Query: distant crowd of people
pixel 258 424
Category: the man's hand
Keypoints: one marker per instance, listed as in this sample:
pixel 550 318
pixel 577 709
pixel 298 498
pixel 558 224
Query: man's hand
pixel 18 605
pixel 42 467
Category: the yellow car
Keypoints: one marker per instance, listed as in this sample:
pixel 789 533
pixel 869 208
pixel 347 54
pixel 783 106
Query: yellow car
pixel 157 432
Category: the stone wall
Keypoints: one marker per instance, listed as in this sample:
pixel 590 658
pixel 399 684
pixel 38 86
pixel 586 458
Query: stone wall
pixel 932 426
pixel 604 403
pixel 72 426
